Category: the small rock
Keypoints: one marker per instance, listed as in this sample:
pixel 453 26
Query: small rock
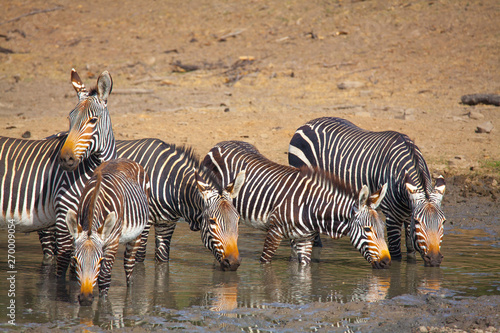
pixel 26 135
pixel 364 114
pixel 476 115
pixel 423 329
pixel 365 93
pixel 455 118
pixel 494 183
pixel 485 127
pixel 350 85
pixel 410 111
pixel 410 117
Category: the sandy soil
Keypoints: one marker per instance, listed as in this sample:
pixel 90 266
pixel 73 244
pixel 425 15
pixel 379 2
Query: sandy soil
pixel 199 72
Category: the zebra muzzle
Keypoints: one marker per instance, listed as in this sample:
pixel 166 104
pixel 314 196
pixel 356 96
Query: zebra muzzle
pixel 433 259
pixel 86 296
pixel 67 160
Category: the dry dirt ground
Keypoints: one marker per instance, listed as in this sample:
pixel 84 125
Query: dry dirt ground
pixel 199 72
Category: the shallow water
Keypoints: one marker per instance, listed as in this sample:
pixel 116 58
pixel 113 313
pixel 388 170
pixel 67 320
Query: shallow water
pixel 189 289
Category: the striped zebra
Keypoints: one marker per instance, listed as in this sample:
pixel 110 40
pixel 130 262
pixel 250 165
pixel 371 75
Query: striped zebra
pixel 361 157
pixel 35 188
pixel 299 204
pixel 181 188
pixel 113 210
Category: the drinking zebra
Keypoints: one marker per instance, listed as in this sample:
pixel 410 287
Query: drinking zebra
pixel 181 188
pixel 288 202
pixel 113 209
pixel 35 188
pixel 361 157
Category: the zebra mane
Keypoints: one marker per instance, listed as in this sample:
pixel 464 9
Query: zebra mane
pixel 93 91
pixel 415 156
pixel 189 153
pixel 328 180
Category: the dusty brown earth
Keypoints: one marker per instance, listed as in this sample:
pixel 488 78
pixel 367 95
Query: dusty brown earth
pixel 199 72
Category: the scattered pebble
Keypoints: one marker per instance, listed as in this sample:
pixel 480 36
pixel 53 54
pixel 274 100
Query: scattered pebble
pixel 485 127
pixel 423 329
pixel 476 115
pixel 350 85
pixel 26 135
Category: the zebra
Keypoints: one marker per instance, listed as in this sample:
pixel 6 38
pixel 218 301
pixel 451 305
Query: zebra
pixel 41 179
pixel 112 210
pixel 181 188
pixel 360 157
pixel 299 204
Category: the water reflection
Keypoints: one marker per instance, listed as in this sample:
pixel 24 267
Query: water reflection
pixel 174 292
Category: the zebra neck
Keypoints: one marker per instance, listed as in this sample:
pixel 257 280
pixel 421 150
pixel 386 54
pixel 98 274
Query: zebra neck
pixel 110 152
pixel 187 201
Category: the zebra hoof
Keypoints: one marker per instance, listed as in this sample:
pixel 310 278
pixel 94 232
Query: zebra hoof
pixel 48 259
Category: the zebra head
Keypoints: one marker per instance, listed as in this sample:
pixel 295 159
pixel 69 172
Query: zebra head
pixel 90 131
pixel 367 231
pixel 219 228
pixel 427 220
pixel 88 253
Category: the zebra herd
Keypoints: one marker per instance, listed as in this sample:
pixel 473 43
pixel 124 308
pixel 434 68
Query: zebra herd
pixel 85 193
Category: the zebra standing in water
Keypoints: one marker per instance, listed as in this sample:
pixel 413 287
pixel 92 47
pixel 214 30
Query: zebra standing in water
pixel 300 203
pixel 113 209
pixel 35 188
pixel 361 157
pixel 181 188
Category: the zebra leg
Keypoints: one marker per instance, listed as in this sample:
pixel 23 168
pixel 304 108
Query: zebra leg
pixel 163 237
pixel 273 240
pixel 104 279
pixel 64 248
pixel 141 252
pixel 394 237
pixel 130 255
pixel 411 255
pixel 47 239
pixel 304 249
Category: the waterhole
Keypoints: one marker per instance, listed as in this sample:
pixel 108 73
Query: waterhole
pixel 188 290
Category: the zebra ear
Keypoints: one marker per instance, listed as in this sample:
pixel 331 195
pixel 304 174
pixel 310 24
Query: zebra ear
pixel 440 185
pixel 202 186
pixel 235 186
pixel 377 197
pixel 107 227
pixel 410 184
pixel 77 82
pixel 439 188
pixel 72 222
pixel 364 195
pixel 104 86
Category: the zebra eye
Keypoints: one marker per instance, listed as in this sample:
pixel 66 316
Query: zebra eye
pixel 213 220
pixel 93 120
pixel 367 229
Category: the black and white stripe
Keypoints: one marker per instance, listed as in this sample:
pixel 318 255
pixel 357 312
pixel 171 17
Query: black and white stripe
pixel 181 188
pixel 299 204
pixel 35 189
pixel 361 157
pixel 113 210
